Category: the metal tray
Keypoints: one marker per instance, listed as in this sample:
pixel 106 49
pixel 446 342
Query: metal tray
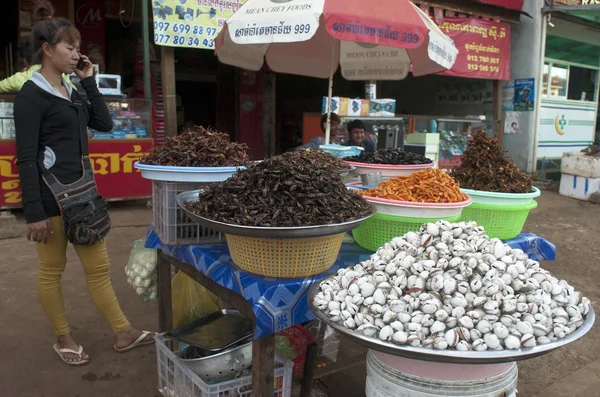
pixel 216 332
pixel 449 356
pixel 268 232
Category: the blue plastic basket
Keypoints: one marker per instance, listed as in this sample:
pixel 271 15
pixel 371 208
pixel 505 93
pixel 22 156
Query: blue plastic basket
pixel 341 151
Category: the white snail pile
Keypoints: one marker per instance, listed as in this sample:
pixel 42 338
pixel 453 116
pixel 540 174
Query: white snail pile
pixel 448 286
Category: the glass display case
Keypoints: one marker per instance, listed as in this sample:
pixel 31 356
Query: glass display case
pixel 453 134
pixel 130 119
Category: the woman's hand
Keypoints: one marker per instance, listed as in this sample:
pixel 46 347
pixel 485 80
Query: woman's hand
pixel 88 68
pixel 39 231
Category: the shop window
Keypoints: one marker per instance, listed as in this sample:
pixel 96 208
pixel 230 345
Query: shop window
pixel 559 75
pixel 582 84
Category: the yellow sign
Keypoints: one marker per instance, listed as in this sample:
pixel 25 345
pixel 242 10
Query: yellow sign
pixel 191 23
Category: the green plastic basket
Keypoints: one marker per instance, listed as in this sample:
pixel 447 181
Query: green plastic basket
pixel 381 228
pixel 500 221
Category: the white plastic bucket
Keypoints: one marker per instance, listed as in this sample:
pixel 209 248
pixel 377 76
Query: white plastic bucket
pixel 392 376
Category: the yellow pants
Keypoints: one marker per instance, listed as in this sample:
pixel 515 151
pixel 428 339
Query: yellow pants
pixel 52 260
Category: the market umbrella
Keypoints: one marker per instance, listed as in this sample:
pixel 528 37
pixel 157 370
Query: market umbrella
pixel 369 39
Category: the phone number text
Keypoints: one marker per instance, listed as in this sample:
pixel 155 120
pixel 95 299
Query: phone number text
pixel 184 34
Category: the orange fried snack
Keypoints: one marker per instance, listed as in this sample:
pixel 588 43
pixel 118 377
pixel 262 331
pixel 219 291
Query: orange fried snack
pixel 427 186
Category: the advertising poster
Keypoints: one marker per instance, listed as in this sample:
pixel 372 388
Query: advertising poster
pixel 525 94
pixel 191 23
pixel 508 95
pixel 512 122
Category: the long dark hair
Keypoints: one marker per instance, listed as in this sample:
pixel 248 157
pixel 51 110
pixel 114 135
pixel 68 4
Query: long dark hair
pixel 47 29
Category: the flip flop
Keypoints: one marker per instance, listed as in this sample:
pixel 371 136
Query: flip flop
pixel 137 343
pixel 78 352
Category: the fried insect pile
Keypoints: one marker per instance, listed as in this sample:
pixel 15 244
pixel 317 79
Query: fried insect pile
pixel 427 186
pixel 283 191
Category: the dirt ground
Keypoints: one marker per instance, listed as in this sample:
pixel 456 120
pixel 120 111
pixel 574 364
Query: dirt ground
pixel 29 367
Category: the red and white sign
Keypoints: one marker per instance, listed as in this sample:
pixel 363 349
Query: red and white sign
pixel 483 48
pixel 112 161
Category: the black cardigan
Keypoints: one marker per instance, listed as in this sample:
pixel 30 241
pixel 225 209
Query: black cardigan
pixel 45 120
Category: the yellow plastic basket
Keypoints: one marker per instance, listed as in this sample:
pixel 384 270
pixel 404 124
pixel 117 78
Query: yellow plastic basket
pixel 284 258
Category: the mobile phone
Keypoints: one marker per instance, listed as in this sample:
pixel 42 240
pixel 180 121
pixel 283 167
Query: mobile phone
pixel 80 63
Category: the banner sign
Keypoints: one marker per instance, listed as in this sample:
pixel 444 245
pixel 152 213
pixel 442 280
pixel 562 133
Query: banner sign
pixel 191 23
pixel 113 170
pixel 483 48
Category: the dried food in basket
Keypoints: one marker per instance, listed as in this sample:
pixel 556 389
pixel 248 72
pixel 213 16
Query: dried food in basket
pixel 427 186
pixel 322 159
pixel 201 147
pixel 390 156
pixel 283 191
pixel 484 166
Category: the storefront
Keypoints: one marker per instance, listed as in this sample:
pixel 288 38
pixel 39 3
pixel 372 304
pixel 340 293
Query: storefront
pixel 449 106
pixel 120 81
pixel 568 107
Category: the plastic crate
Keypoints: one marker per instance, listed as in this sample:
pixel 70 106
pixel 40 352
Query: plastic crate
pixel 175 379
pixel 171 223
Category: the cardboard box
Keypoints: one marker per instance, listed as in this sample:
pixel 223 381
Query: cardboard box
pixel 354 107
pixel 6 109
pixel 382 108
pixel 339 105
pixel 8 129
pixel 423 138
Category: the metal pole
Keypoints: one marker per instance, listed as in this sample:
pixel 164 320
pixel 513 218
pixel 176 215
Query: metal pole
pixel 146 46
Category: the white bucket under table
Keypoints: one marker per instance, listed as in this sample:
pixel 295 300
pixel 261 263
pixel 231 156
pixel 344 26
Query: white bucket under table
pixel 393 376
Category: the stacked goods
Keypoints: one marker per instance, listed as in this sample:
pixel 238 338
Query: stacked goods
pixel 322 159
pixel 199 147
pixel 285 191
pixel 389 156
pixel 449 286
pixel 405 203
pixel 427 186
pixel 484 166
pixel 502 194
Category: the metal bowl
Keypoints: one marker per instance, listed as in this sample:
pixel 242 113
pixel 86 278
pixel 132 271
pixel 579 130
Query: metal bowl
pixel 345 172
pixel 449 356
pixel 268 232
pixel 222 365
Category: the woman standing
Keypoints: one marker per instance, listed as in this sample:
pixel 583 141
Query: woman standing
pixel 51 122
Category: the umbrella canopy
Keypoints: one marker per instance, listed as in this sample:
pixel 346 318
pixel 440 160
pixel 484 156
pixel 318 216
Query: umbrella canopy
pixel 370 40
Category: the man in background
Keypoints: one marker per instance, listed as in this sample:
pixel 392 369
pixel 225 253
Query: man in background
pixel 334 123
pixel 356 136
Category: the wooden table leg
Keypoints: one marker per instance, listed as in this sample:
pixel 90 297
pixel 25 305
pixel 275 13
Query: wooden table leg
pixel 263 361
pixel 165 306
pixel 309 369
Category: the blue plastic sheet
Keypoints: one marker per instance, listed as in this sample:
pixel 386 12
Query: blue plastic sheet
pixel 282 303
